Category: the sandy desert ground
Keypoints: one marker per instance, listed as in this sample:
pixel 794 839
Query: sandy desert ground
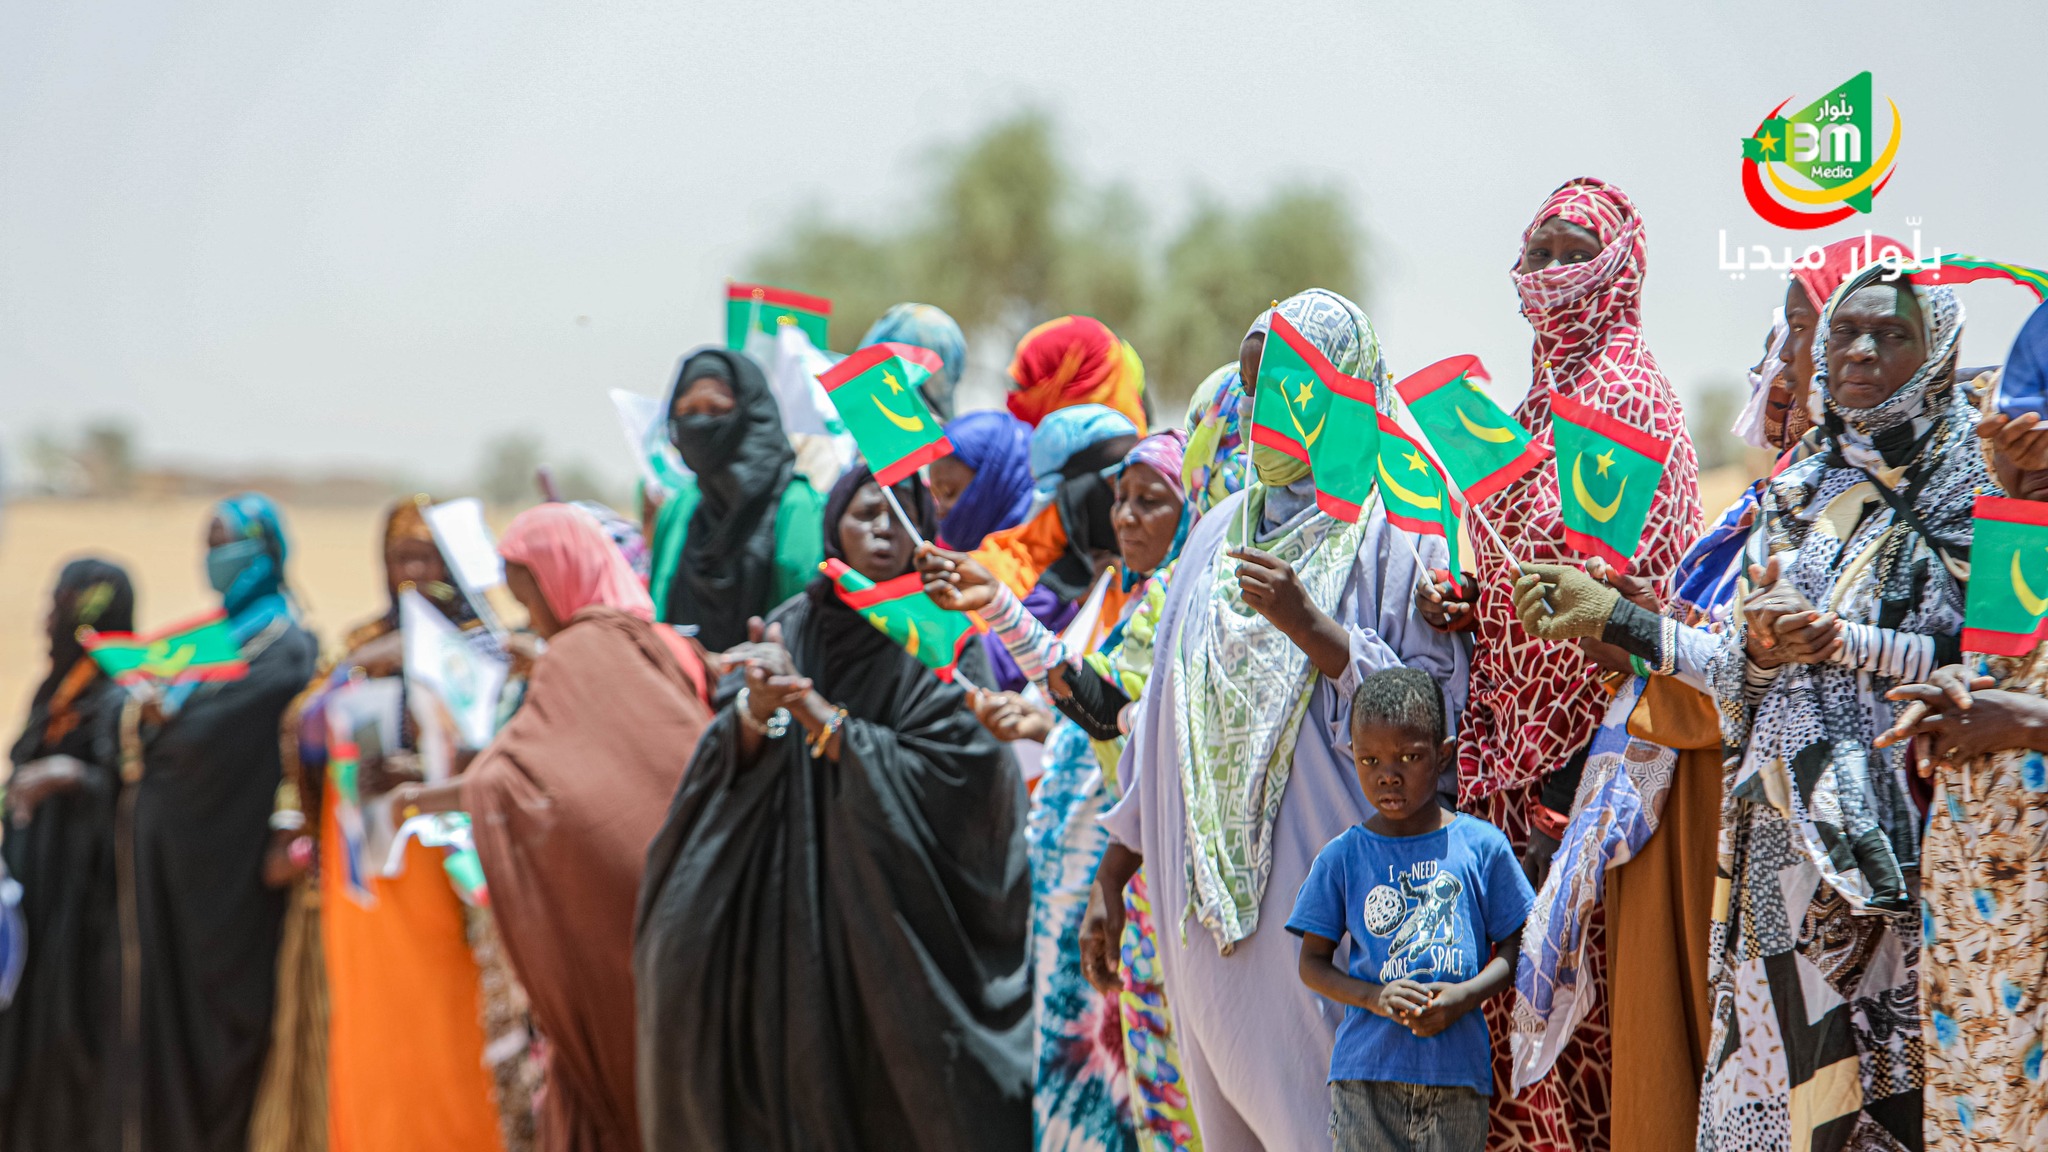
pixel 333 566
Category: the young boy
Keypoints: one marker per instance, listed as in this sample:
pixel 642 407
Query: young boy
pixel 1433 902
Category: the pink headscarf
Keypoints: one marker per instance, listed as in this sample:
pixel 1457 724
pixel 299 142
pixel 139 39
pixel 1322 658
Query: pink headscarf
pixel 574 561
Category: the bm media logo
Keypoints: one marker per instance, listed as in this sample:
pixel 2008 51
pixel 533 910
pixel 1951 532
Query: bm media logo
pixel 1822 162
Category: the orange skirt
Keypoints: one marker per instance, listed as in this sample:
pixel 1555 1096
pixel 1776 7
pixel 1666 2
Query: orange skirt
pixel 405 1066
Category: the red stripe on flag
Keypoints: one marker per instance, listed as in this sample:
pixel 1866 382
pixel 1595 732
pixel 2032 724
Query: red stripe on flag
pixel 1419 527
pixel 2007 510
pixel 1279 441
pixel 908 584
pixel 2003 643
pixel 99 639
pixel 1309 353
pixel 854 365
pixel 231 671
pixel 895 473
pixel 1594 546
pixel 1343 510
pixel 1627 435
pixel 1534 454
pixel 779 297
pixel 1421 383
pixel 924 358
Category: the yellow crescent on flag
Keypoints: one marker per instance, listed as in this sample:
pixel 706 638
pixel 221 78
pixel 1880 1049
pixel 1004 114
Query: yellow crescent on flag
pixel 1486 432
pixel 1598 511
pixel 165 664
pixel 910 645
pixel 2035 605
pixel 907 423
pixel 1415 498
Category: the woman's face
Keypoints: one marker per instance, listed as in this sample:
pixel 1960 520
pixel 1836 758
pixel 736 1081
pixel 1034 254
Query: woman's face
pixel 216 534
pixel 704 396
pixel 1557 241
pixel 1248 361
pixel 412 561
pixel 1876 341
pixel 1146 516
pixel 876 546
pixel 949 478
pixel 520 582
pixel 1802 320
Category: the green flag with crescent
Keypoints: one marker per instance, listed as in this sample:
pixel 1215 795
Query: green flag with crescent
pixel 1414 492
pixel 879 396
pixel 202 648
pixel 752 307
pixel 1345 458
pixel 1291 408
pixel 2007 610
pixel 1607 477
pixel 906 615
pixel 1482 448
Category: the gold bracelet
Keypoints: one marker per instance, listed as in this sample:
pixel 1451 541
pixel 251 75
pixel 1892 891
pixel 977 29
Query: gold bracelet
pixel 824 735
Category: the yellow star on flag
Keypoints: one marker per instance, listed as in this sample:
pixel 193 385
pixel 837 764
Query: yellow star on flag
pixel 895 385
pixel 1415 461
pixel 1604 461
pixel 1767 142
pixel 1308 390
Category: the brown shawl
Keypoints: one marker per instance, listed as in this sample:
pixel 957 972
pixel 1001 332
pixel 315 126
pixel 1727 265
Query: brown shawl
pixel 565 801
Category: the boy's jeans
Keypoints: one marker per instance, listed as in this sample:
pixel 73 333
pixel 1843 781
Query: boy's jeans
pixel 1380 1116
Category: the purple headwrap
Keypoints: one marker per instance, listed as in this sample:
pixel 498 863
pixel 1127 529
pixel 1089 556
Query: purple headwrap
pixel 997 446
pixel 1165 453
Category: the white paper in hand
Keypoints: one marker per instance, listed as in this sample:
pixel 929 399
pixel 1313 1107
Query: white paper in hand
pixel 466 541
pixel 640 418
pixel 452 673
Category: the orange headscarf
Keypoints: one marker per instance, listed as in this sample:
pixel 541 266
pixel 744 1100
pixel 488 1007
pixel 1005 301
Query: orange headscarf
pixel 1075 360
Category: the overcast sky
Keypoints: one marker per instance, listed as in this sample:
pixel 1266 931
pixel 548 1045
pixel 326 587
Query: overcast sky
pixel 338 235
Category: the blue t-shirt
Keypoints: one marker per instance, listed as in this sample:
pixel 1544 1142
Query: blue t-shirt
pixel 1425 908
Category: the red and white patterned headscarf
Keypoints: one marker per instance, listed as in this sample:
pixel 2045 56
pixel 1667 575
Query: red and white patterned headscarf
pixel 1535 703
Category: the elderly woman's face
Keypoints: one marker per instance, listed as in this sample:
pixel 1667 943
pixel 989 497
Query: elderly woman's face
pixel 876 546
pixel 1557 241
pixel 1146 517
pixel 1876 341
pixel 704 396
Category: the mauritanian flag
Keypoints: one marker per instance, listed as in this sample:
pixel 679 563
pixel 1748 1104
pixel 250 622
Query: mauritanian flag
pixel 1414 490
pixel 877 394
pixel 1482 448
pixel 1607 477
pixel 1345 458
pixel 1957 268
pixel 1292 405
pixel 2007 611
pixel 202 648
pixel 901 610
pixel 749 307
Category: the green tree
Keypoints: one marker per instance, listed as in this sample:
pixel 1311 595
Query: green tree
pixel 509 466
pixel 1004 237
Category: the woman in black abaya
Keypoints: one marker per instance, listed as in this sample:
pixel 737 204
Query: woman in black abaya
pixel 59 845
pixel 832 933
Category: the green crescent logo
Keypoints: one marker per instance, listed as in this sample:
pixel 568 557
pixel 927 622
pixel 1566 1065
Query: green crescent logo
pixel 1486 432
pixel 1598 511
pixel 2035 605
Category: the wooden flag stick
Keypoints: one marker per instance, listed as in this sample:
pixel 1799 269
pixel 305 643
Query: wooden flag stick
pixel 889 494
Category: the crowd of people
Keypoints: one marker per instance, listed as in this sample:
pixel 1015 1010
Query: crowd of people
pixel 1235 825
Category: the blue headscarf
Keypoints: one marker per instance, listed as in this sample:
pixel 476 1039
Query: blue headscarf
pixel 1065 432
pixel 248 570
pixel 2023 386
pixel 997 446
pixel 927 327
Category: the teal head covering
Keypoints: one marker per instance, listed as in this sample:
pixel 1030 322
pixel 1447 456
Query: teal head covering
pixel 248 570
pixel 927 327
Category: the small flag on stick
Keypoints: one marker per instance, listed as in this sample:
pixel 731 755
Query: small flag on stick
pixel 757 307
pixel 1292 403
pixel 2004 615
pixel 1607 477
pixel 1482 448
pixel 202 648
pixel 903 612
pixel 878 393
pixel 1414 491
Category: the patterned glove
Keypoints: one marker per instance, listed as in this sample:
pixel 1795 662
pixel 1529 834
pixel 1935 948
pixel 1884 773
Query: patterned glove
pixel 1557 602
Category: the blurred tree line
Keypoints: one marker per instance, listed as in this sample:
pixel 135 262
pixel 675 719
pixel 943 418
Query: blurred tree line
pixel 1005 236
